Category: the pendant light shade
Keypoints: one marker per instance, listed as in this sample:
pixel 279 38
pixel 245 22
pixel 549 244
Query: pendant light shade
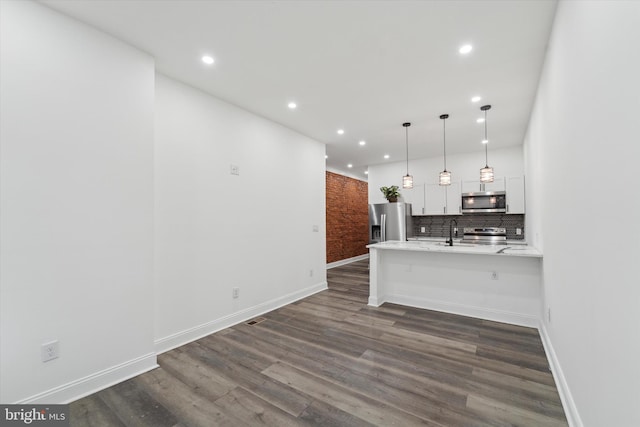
pixel 486 173
pixel 407 180
pixel 445 175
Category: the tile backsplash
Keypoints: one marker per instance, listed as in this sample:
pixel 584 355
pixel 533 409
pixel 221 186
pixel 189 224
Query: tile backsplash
pixel 438 225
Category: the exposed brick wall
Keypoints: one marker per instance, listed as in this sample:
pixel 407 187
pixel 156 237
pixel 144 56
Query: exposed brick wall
pixel 347 217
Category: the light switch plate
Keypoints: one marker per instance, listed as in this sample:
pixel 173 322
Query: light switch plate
pixel 235 170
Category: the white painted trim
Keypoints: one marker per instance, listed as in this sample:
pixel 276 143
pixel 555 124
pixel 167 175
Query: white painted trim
pixel 90 384
pixel 569 405
pixel 463 310
pixel 181 338
pixel 376 302
pixel 347 261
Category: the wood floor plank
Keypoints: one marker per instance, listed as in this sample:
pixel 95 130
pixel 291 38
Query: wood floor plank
pixel 184 402
pixel 92 412
pixel 135 407
pixel 197 375
pixel 471 360
pixel 276 393
pixel 254 411
pixel 370 410
pixel 526 397
pixel 511 414
pixel 322 414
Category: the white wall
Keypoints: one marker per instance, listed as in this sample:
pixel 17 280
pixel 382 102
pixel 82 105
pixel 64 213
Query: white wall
pixel 76 206
pixel 582 157
pixel 505 162
pixel 216 231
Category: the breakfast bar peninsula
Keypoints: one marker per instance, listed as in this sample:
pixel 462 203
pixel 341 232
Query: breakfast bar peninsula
pixel 500 283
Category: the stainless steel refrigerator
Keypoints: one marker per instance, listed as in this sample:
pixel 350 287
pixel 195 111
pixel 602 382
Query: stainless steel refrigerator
pixel 390 221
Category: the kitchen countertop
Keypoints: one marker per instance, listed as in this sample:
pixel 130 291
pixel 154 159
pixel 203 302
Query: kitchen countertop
pixel 439 245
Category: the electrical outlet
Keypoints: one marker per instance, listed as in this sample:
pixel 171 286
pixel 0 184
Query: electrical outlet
pixel 423 229
pixel 235 170
pixel 236 293
pixel 315 228
pixel 518 231
pixel 50 351
pixel 494 275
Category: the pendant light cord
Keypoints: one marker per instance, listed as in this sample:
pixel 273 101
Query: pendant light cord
pixel 444 142
pixel 486 145
pixel 406 128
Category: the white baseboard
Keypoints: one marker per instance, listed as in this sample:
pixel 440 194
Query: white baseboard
pixel 181 338
pixel 519 319
pixel 347 261
pixel 90 384
pixel 569 405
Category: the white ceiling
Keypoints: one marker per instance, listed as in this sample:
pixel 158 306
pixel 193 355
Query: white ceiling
pixel 364 66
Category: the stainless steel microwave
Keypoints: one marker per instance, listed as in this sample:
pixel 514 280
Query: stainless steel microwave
pixel 484 202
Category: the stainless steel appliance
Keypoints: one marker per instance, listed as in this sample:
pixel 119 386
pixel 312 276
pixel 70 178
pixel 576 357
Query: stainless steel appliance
pixel 485 235
pixel 390 221
pixel 484 202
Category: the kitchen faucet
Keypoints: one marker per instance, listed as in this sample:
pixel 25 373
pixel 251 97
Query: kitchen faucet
pixel 450 241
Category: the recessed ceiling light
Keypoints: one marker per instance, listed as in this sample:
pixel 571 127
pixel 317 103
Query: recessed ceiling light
pixel 349 165
pixel 386 156
pixel 480 120
pixel 340 131
pixel 362 142
pixel 292 105
pixel 366 172
pixel 485 141
pixel 208 59
pixel 476 99
pixel 465 49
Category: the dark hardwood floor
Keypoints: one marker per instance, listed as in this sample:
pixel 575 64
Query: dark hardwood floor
pixel 331 360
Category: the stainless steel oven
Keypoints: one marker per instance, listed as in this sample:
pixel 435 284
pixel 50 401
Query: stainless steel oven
pixel 484 202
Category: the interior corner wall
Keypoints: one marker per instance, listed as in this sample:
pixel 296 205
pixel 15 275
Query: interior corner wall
pixel 582 154
pixel 76 189
pixel 347 217
pixel 261 231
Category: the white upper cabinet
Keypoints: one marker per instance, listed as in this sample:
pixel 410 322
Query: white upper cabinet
pixel 436 200
pixel 454 199
pixel 498 184
pixel 415 196
pixel 515 194
pixel 443 200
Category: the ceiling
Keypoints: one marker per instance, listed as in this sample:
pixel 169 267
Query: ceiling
pixel 362 66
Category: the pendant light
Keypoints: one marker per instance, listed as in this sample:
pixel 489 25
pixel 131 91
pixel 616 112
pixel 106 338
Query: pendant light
pixel 407 180
pixel 445 175
pixel 486 173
